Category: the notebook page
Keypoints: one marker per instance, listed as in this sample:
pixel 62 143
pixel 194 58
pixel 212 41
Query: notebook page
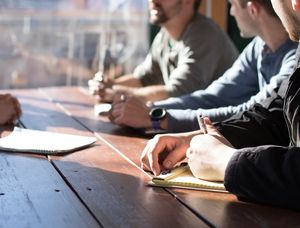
pixel 43 142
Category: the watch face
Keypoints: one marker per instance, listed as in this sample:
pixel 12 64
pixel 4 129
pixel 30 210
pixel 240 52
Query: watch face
pixel 157 113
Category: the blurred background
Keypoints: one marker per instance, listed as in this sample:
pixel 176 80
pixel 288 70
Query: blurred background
pixel 65 42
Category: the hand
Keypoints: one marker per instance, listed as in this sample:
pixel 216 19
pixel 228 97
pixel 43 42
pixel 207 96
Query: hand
pixel 165 151
pixel 101 89
pixel 10 109
pixel 209 154
pixel 131 112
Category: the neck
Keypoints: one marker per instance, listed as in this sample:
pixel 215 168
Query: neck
pixel 176 26
pixel 273 33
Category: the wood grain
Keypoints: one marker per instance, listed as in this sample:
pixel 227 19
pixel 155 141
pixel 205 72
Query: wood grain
pixel 113 188
pixel 32 194
pixel 218 208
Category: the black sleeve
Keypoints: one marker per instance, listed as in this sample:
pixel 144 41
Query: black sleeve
pixel 266 174
pixel 262 125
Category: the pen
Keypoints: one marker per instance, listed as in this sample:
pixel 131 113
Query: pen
pixel 202 124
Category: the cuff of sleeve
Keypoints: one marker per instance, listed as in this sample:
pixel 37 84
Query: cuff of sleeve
pixel 231 173
pixel 182 120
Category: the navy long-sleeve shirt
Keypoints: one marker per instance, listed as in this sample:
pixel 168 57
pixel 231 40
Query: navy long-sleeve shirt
pixel 251 79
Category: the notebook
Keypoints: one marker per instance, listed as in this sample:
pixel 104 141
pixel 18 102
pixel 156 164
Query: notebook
pixel 43 142
pixel 182 177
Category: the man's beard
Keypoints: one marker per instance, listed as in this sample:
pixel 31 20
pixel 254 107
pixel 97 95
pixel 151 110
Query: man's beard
pixel 159 18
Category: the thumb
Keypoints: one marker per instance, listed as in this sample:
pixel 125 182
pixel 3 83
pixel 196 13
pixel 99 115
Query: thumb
pixel 207 121
pixel 209 125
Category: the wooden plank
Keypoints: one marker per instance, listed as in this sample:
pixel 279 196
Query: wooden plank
pixel 112 188
pixel 32 194
pixel 221 209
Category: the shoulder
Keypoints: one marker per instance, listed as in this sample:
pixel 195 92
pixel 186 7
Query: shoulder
pixel 205 30
pixel 254 48
pixel 203 26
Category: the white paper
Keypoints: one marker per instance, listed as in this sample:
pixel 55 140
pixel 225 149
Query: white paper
pixel 34 141
pixel 102 109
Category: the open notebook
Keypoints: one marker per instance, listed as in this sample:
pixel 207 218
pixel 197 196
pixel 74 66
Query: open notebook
pixel 43 142
pixel 182 177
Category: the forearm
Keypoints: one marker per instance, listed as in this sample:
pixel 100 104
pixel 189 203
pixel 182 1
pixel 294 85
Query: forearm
pixel 182 120
pixel 255 128
pixel 266 174
pixel 151 93
pixel 128 80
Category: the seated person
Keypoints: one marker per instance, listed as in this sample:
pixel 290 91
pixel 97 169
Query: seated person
pixel 188 53
pixel 10 109
pixel 260 68
pixel 255 153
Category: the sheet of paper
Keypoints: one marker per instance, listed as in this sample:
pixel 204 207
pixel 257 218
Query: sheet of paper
pixel 43 142
pixel 102 109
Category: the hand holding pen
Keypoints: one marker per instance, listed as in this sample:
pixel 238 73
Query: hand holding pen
pixel 209 153
pixel 101 84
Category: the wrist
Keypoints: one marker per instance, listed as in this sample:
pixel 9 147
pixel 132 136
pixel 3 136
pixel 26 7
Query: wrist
pixel 158 118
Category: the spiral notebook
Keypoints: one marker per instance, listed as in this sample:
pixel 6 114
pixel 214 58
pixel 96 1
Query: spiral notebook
pixel 43 142
pixel 182 177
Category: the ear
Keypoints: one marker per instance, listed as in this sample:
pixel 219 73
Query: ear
pixel 296 5
pixel 253 8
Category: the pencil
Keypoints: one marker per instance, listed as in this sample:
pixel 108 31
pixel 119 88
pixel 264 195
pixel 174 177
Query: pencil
pixel 202 124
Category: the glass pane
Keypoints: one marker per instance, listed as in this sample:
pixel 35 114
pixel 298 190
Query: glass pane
pixel 63 42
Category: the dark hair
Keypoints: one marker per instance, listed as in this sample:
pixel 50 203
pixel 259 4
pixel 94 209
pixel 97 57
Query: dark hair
pixel 197 5
pixel 265 3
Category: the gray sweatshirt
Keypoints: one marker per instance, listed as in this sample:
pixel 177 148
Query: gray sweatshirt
pixel 201 55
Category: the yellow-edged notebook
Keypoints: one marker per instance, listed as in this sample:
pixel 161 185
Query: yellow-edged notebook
pixel 182 177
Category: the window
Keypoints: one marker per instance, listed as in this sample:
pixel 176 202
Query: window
pixel 63 42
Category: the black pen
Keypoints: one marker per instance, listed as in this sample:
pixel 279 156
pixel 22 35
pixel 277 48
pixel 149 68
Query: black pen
pixel 202 124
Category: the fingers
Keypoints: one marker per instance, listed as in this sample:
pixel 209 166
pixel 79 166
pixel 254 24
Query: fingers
pixel 150 155
pixel 207 121
pixel 95 86
pixel 210 127
pixel 163 152
pixel 117 109
pixel 121 104
pixel 11 109
pixel 17 106
pixel 17 109
pixel 101 90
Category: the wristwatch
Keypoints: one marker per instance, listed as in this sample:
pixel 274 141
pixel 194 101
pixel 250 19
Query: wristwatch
pixel 157 114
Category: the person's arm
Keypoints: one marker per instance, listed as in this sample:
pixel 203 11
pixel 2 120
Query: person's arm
pixel 266 174
pixel 148 93
pixel 184 120
pixel 209 154
pixel 128 80
pixel 240 78
pixel 146 73
pixel 264 124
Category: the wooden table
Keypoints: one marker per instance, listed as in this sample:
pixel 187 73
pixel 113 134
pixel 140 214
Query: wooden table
pixel 103 185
